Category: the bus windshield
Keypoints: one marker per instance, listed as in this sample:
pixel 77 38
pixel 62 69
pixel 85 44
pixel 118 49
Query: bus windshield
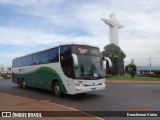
pixel 89 63
pixel 89 67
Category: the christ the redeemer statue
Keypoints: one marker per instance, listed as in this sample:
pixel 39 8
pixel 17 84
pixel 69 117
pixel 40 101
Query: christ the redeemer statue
pixel 114 25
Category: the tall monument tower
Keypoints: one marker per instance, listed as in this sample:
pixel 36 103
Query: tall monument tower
pixel 114 25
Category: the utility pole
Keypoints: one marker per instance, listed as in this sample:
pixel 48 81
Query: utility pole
pixel 150 65
pixel 132 61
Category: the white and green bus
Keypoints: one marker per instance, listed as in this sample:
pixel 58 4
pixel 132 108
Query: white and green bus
pixel 70 69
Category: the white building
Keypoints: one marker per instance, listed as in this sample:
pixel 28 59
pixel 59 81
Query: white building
pixel 5 69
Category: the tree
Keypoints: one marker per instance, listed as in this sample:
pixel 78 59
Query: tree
pixel 114 52
pixel 131 69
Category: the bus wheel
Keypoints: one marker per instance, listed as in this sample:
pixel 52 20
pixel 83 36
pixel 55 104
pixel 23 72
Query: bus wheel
pixel 19 83
pixel 23 84
pixel 56 89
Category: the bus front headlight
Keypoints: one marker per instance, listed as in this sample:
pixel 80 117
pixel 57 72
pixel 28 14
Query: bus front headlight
pixel 79 83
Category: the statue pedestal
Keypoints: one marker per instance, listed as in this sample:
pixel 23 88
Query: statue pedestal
pixel 118 68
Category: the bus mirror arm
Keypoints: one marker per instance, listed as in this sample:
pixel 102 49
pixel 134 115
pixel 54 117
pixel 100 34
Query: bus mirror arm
pixel 104 59
pixel 75 61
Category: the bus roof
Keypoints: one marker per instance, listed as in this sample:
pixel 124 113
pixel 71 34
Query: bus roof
pixel 55 47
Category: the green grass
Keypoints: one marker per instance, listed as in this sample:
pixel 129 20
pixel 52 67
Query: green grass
pixel 137 78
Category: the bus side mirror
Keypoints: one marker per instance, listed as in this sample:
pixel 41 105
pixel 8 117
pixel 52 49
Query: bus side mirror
pixel 75 61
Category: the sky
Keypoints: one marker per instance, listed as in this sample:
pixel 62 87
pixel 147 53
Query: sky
pixel 31 25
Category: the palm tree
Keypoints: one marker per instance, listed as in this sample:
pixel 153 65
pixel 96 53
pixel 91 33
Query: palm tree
pixel 114 53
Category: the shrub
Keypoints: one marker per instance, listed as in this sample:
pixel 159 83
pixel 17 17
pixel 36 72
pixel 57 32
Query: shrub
pixel 131 69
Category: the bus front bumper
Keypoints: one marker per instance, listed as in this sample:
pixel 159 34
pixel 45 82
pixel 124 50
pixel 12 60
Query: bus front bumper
pixel 83 89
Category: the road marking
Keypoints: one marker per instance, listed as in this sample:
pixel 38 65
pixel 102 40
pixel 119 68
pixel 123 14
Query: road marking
pixel 53 104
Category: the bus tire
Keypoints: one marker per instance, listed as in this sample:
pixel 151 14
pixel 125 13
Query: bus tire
pixel 56 89
pixel 19 83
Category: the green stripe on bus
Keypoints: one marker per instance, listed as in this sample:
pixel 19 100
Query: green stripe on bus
pixel 41 78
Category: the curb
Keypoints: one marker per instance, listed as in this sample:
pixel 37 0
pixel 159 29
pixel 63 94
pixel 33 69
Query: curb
pixel 130 82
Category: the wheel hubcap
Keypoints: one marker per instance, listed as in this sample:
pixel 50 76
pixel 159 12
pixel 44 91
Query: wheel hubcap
pixel 23 84
pixel 57 89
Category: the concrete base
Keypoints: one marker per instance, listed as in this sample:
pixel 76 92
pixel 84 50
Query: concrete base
pixel 118 68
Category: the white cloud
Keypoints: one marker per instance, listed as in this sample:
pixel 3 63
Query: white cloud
pixel 141 50
pixel 17 36
pixel 7 57
pixel 87 15
pixel 28 39
pixel 23 3
pixel 24 37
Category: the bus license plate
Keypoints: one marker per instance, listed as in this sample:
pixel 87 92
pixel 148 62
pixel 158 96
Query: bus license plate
pixel 93 89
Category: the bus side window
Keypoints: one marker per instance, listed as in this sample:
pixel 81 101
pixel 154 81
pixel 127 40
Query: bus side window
pixel 24 61
pixel 29 60
pixel 53 55
pixel 36 59
pixel 61 53
pixel 65 52
pixel 66 61
pixel 14 63
pixel 18 62
pixel 43 57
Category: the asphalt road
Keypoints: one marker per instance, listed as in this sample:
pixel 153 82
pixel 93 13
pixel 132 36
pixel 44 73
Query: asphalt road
pixel 116 97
